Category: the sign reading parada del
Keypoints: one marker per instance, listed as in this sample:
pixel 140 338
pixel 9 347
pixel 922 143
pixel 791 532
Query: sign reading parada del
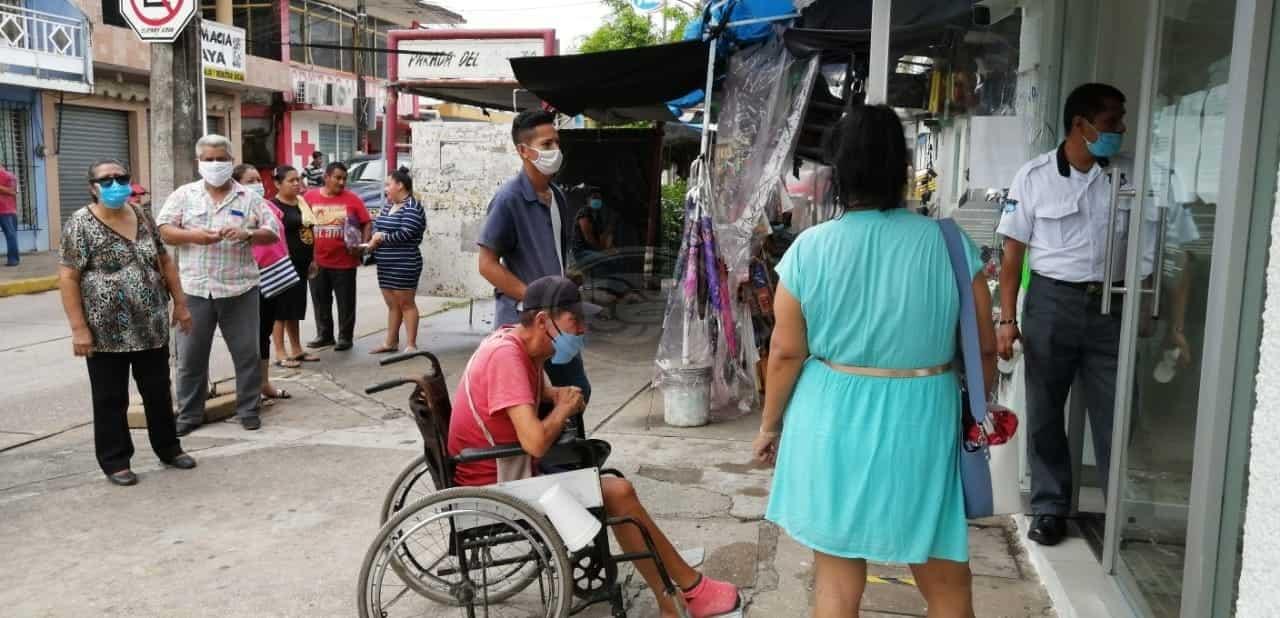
pixel 158 21
pixel 464 59
pixel 222 49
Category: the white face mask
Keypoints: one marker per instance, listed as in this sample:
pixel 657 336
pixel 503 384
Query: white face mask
pixel 548 161
pixel 216 173
pixel 257 189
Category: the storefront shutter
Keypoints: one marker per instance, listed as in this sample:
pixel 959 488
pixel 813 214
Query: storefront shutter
pixel 88 135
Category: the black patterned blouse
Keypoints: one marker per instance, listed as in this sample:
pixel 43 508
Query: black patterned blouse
pixel 126 302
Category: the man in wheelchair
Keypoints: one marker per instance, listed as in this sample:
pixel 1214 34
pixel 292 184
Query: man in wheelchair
pixel 498 402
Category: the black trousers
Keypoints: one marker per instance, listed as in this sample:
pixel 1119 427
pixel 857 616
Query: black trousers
pixel 328 285
pixel 109 383
pixel 1064 334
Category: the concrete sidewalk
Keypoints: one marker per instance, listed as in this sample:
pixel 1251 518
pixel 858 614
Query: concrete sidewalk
pixel 35 273
pixel 276 522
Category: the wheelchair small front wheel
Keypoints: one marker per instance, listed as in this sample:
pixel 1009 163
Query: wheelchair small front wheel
pixel 476 551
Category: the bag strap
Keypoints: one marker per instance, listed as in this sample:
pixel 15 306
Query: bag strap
pixel 971 352
pixel 471 403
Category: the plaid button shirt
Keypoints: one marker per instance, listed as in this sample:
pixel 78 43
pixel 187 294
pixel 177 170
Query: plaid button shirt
pixel 226 268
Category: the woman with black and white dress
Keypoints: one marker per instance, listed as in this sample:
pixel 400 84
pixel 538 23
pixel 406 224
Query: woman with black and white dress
pixel 397 234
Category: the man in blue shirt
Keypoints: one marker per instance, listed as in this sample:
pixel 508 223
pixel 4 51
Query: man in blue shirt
pixel 527 231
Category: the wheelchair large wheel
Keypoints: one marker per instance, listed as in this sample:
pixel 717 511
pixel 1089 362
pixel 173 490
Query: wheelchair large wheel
pixel 465 543
pixel 413 484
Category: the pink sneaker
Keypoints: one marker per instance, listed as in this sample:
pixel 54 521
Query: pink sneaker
pixel 712 598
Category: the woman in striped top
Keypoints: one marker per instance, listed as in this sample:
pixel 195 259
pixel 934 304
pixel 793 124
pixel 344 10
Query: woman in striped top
pixel 397 233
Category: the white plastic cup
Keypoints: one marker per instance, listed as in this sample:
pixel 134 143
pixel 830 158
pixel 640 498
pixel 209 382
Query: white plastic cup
pixel 576 525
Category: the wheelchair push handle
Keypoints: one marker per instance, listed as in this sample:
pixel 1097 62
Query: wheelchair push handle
pixel 396 358
pixel 388 385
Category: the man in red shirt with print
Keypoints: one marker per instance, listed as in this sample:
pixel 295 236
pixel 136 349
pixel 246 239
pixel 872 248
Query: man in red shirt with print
pixel 341 218
pixel 497 402
pixel 9 213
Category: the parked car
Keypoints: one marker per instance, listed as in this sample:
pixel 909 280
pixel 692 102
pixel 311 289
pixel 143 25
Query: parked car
pixel 365 175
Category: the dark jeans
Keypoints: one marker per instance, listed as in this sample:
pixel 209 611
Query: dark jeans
pixel 573 373
pixel 1064 334
pixel 9 225
pixel 109 384
pixel 328 285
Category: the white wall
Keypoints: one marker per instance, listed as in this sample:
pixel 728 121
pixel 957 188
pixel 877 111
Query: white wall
pixel 1259 594
pixel 456 169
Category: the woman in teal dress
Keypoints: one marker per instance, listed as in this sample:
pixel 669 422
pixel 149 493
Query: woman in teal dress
pixel 862 409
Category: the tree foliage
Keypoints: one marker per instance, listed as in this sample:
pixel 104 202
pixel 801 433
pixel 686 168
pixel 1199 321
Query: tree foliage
pixel 625 28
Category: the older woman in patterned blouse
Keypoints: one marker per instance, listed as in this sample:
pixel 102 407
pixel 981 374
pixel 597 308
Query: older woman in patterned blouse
pixel 116 280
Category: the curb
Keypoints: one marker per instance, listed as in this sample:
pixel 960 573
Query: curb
pixel 216 409
pixel 34 285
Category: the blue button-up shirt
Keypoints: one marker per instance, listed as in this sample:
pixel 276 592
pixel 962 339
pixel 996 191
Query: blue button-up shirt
pixel 518 228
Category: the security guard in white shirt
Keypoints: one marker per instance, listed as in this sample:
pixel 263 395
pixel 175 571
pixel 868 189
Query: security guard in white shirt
pixel 1059 207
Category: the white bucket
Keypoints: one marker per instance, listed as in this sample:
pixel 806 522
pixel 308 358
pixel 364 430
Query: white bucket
pixel 686 397
pixel 576 525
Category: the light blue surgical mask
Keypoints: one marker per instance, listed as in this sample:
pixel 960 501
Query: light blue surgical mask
pixel 597 203
pixel 567 346
pixel 114 195
pixel 1107 145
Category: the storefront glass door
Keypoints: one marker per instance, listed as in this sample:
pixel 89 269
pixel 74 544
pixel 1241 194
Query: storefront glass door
pixel 1183 115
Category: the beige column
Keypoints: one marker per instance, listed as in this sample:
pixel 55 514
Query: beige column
pixel 222 12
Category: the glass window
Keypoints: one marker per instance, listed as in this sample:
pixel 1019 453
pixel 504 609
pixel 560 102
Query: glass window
pixel 297 35
pixel 329 142
pixel 258 136
pixel 346 142
pixel 263 31
pixel 111 14
pixel 323 27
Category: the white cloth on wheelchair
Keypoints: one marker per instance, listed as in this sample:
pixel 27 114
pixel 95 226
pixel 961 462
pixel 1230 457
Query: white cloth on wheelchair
pixel 583 485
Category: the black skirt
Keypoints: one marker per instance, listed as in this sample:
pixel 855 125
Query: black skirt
pixel 291 304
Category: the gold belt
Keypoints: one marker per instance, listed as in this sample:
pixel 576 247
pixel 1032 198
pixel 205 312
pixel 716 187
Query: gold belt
pixel 875 372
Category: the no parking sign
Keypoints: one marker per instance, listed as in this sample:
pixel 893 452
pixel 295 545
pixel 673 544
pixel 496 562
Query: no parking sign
pixel 158 21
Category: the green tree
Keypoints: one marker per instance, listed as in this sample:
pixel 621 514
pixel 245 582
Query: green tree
pixel 625 28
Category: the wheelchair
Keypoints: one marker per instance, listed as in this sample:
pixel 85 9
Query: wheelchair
pixel 489 551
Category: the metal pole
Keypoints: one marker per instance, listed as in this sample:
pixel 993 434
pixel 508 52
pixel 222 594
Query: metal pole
pixel 878 76
pixel 362 124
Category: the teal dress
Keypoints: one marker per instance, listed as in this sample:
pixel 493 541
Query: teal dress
pixel 867 467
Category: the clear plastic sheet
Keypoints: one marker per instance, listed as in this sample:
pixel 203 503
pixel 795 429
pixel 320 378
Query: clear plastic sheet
pixel 812 196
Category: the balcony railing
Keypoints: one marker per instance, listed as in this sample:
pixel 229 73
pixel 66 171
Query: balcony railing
pixel 43 46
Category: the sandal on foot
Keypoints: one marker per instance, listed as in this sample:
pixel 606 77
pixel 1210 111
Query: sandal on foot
pixel 288 363
pixel 305 358
pixel 385 349
pixel 710 597
pixel 280 394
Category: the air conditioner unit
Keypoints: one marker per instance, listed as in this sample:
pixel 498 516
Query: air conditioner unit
pixel 314 93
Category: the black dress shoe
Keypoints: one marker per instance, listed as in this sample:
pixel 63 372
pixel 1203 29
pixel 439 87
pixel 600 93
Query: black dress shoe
pixel 342 346
pixel 123 478
pixel 251 423
pixel 182 462
pixel 319 343
pixel 1047 530
pixel 185 428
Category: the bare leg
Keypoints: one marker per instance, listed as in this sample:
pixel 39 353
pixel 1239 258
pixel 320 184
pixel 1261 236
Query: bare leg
pixel 620 500
pixel 391 340
pixel 295 338
pixel 277 340
pixel 267 388
pixel 947 588
pixel 409 313
pixel 838 586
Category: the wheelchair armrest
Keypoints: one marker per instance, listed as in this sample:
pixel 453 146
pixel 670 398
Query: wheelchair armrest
pixel 501 451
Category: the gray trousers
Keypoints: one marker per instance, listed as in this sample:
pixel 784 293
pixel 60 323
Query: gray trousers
pixel 1064 335
pixel 237 318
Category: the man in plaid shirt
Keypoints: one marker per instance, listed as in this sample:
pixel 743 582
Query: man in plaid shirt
pixel 213 223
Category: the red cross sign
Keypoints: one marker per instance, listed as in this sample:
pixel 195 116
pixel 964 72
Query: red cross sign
pixel 158 21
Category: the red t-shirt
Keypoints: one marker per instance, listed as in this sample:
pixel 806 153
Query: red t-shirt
pixel 8 203
pixel 502 376
pixel 331 213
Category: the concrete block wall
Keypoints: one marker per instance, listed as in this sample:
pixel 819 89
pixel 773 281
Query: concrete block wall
pixel 457 167
pixel 1259 595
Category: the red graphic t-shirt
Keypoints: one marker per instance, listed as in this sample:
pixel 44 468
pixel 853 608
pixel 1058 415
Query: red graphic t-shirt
pixel 8 203
pixel 501 376
pixel 331 215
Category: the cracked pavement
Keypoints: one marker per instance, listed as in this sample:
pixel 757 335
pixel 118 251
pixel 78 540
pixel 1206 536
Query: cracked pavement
pixel 276 522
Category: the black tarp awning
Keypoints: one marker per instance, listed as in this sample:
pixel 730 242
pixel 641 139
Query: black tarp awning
pixel 917 25
pixel 629 84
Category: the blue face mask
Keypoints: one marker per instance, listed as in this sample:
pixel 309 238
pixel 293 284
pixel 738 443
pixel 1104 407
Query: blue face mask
pixel 568 347
pixel 114 195
pixel 1107 146
pixel 597 203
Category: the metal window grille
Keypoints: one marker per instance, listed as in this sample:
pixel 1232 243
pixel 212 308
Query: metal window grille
pixel 16 155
